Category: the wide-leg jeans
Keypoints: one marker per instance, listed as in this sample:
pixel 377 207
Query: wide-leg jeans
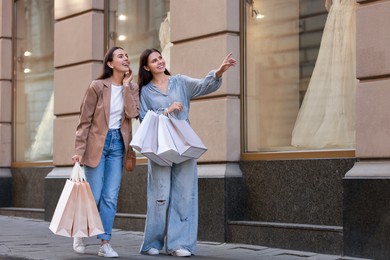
pixel 105 180
pixel 172 210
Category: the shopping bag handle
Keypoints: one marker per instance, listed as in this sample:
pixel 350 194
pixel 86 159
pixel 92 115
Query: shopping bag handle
pixel 78 174
pixel 172 116
pixel 161 111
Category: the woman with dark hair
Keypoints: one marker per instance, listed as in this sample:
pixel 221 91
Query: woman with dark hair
pixel 103 136
pixel 172 203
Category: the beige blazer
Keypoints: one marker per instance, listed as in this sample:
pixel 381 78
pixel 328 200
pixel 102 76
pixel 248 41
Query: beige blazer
pixel 94 117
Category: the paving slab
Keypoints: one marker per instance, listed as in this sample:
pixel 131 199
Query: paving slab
pixel 24 238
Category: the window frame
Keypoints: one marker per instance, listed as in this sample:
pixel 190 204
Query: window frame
pixel 272 155
pixel 17 163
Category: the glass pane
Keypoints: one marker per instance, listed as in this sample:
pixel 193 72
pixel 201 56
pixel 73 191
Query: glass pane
pixel 33 83
pixel 139 24
pixel 300 75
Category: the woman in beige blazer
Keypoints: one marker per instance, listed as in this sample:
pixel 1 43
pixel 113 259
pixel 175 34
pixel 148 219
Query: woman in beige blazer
pixel 103 136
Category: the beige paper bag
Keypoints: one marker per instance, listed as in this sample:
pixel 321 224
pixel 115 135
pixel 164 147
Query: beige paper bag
pixel 62 220
pixel 95 225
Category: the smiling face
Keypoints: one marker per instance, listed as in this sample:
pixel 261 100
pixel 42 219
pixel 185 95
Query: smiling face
pixel 120 61
pixel 156 63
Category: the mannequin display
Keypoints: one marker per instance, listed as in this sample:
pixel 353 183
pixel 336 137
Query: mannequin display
pixel 42 147
pixel 165 40
pixel 327 115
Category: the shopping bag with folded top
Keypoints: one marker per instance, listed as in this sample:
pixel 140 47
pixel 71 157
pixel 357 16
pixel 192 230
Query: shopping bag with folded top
pixel 187 142
pixel 166 147
pixel 76 213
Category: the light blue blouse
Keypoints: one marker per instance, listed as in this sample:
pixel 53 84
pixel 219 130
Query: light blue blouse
pixel 181 89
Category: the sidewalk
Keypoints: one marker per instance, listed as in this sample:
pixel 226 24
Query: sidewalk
pixel 23 238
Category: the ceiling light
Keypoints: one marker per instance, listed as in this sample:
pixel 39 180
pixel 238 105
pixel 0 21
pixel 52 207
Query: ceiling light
pixel 257 14
pixel 122 17
pixel 121 38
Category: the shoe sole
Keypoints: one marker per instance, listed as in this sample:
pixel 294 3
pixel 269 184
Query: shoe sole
pixel 148 253
pixel 186 255
pixel 151 254
pixel 104 255
pixel 79 252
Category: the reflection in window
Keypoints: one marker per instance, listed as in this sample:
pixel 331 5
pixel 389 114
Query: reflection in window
pixel 137 25
pixel 289 76
pixel 33 81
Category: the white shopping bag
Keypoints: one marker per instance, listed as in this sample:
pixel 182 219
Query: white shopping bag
pixel 140 134
pixel 187 142
pixel 145 139
pixel 166 146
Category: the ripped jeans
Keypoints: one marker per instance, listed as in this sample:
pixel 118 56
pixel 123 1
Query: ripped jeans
pixel 172 210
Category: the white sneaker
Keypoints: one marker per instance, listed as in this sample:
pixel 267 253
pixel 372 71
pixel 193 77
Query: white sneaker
pixel 78 245
pixel 107 251
pixel 152 251
pixel 181 252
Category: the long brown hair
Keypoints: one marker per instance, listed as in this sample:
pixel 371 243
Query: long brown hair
pixel 107 71
pixel 144 76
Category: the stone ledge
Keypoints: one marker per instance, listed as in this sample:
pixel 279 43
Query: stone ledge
pixel 35 213
pixel 314 238
pixel 288 225
pixel 369 169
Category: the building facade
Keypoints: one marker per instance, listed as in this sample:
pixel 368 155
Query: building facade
pixel 297 135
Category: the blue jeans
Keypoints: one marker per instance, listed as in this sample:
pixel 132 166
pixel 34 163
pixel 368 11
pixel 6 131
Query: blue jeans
pixel 172 210
pixel 105 180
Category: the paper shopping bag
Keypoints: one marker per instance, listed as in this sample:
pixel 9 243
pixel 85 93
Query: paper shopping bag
pixel 187 142
pixel 166 146
pixel 62 220
pixel 95 226
pixel 80 223
pixel 139 136
pixel 71 214
pixel 150 144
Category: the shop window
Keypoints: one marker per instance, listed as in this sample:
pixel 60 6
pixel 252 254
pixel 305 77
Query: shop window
pixel 136 25
pixel 139 24
pixel 300 78
pixel 33 80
